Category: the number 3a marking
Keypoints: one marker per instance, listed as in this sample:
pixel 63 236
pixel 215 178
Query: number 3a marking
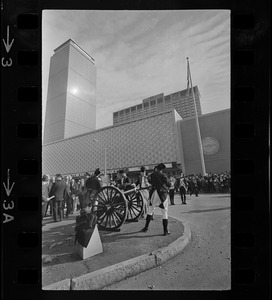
pixel 6 64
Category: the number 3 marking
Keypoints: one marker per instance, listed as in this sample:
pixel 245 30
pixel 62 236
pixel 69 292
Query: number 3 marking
pixel 6 207
pixel 6 64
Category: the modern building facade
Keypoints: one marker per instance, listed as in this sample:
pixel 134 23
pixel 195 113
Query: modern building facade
pixel 181 101
pixel 160 137
pixel 215 136
pixel 71 100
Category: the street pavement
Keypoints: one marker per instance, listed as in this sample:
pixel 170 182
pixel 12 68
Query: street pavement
pixel 59 262
pixel 205 263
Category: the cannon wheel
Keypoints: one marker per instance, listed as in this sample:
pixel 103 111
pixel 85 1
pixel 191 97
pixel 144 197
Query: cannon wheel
pixel 110 207
pixel 135 205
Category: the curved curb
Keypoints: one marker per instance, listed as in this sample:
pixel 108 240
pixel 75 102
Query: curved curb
pixel 62 285
pixel 106 276
pixel 165 253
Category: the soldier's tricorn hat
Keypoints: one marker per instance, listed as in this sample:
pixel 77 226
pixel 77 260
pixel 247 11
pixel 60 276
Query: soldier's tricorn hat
pixel 142 168
pixel 97 171
pixel 161 166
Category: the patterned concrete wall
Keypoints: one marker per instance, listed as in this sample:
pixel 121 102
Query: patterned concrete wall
pixel 143 142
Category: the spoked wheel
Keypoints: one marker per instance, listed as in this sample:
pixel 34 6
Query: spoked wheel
pixel 110 207
pixel 135 205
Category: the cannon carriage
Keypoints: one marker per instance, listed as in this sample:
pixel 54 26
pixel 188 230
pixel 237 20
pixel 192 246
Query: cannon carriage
pixel 114 206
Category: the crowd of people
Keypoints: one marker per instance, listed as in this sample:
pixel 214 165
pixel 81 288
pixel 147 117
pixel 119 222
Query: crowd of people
pixel 210 183
pixel 67 195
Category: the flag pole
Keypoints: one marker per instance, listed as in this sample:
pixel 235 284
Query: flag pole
pixel 197 122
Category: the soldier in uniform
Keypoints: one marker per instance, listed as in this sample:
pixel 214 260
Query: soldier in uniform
pixel 159 197
pixel 172 190
pixel 143 183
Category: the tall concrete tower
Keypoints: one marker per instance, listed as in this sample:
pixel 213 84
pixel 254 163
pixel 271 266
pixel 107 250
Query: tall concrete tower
pixel 71 100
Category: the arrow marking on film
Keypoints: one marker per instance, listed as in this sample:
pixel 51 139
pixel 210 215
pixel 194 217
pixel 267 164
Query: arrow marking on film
pixel 7 44
pixel 8 190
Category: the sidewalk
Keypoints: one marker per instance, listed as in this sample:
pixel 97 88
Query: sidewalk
pixel 60 263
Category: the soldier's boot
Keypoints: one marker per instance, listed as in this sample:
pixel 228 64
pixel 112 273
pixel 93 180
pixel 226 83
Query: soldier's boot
pixel 165 225
pixel 147 221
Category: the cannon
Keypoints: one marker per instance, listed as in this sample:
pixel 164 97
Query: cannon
pixel 114 206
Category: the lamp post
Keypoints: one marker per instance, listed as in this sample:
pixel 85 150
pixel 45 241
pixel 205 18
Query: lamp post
pixel 105 158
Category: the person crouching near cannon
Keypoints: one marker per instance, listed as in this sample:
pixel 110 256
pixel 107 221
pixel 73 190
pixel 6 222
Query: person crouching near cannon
pixel 143 184
pixel 93 184
pixel 123 181
pixel 158 197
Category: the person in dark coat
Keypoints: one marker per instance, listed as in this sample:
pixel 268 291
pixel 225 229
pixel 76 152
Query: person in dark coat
pixel 211 185
pixel 45 193
pixel 194 185
pixel 58 190
pixel 93 184
pixel 177 184
pixel 49 205
pixel 68 198
pixel 183 185
pixel 159 197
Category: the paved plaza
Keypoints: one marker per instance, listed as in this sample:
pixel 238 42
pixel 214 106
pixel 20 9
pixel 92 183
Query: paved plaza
pixel 207 216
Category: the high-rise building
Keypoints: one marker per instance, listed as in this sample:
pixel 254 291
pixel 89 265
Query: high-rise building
pixel 71 100
pixel 181 101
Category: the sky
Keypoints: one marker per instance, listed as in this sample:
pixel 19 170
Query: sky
pixel 139 54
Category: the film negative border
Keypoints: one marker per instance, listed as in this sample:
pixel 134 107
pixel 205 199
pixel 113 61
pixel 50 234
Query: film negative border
pixel 21 144
pixel 249 153
pixel 21 150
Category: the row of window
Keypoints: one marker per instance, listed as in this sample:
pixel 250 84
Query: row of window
pixel 133 109
pixel 127 112
pixel 135 114
pixel 152 103
pixel 183 113
pixel 150 106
